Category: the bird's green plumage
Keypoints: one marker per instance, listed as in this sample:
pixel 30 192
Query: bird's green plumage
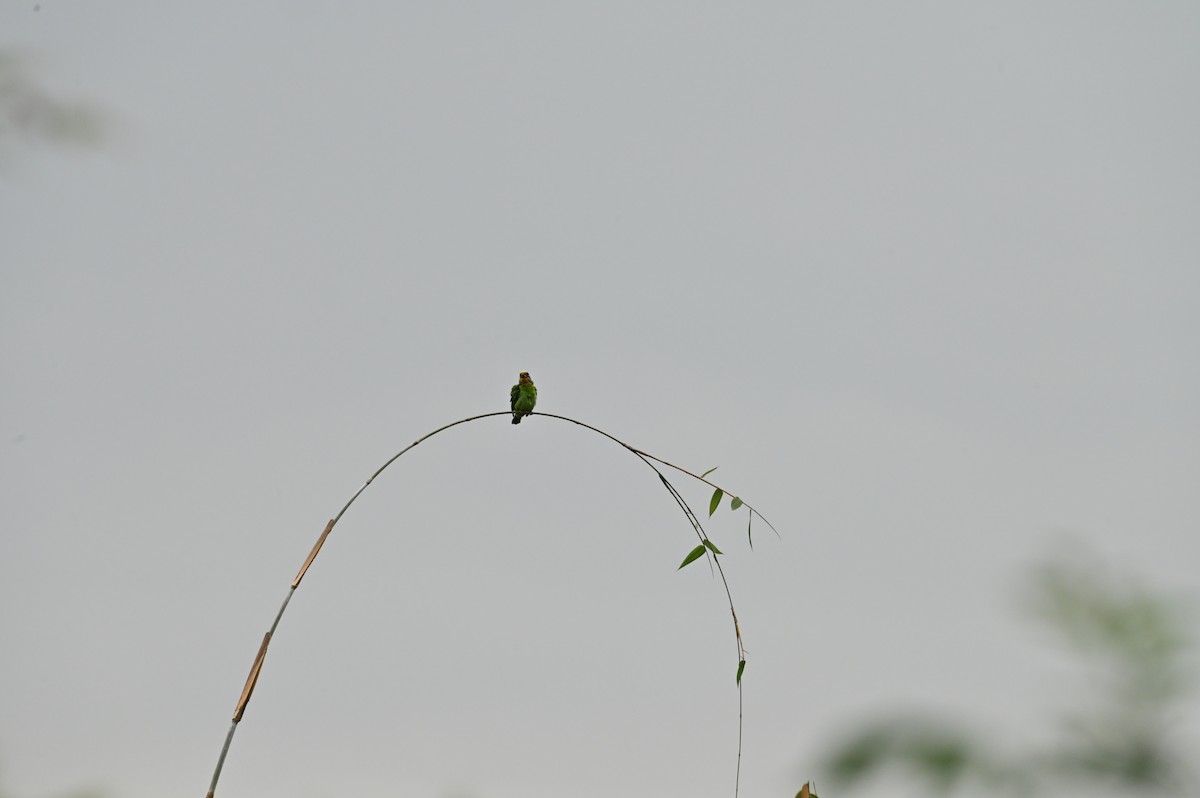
pixel 522 398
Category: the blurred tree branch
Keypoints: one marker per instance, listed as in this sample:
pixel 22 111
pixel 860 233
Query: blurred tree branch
pixel 30 114
pixel 1121 744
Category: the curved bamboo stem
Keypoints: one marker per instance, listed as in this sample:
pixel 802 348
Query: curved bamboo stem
pixel 648 459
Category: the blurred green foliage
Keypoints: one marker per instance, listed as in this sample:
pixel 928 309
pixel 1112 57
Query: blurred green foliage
pixel 1129 640
pixel 29 114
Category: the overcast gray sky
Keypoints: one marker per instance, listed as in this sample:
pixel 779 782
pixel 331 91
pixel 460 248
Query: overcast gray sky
pixel 920 278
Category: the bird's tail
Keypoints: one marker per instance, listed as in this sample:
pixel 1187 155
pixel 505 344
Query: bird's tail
pixel 516 418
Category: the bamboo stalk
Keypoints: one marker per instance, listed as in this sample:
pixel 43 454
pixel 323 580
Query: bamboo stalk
pixel 256 668
pixel 312 555
pixel 252 679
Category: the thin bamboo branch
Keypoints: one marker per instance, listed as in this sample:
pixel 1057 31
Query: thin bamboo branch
pixel 312 555
pixel 256 668
pixel 669 465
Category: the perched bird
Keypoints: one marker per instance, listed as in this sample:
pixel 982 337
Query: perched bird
pixel 523 397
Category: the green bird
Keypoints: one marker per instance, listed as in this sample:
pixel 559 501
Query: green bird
pixel 523 397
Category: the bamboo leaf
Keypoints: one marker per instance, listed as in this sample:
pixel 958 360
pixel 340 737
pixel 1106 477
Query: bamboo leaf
pixel 712 547
pixel 716 500
pixel 741 667
pixel 693 555
pixel 736 503
pixel 709 471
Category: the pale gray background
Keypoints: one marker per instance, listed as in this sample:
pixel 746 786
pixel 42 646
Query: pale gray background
pixel 921 278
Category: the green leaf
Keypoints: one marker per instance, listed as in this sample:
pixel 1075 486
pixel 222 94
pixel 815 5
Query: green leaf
pixel 741 667
pixel 749 537
pixel 712 547
pixel 693 555
pixel 716 499
pixel 736 503
pixel 709 471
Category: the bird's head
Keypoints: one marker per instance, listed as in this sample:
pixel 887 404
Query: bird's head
pixel 524 379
